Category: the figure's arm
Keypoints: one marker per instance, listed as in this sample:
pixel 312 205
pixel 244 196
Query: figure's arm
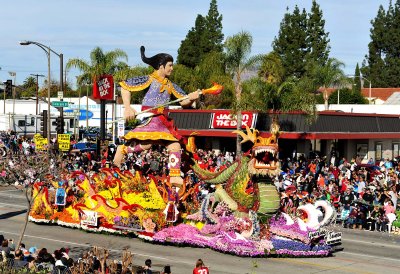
pixel 129 113
pixel 191 98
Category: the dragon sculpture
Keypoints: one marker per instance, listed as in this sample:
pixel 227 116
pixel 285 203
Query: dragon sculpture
pixel 248 182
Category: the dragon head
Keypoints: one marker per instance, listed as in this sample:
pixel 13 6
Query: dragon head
pixel 264 152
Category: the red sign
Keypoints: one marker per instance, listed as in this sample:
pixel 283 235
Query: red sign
pixel 104 88
pixel 224 119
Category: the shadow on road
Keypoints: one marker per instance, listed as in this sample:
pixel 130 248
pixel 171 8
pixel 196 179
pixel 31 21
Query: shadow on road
pixel 12 214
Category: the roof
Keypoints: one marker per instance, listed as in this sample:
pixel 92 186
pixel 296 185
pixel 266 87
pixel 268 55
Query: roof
pixel 381 93
pixel 328 125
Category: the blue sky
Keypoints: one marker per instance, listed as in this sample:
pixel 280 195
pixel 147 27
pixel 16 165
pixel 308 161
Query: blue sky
pixel 75 27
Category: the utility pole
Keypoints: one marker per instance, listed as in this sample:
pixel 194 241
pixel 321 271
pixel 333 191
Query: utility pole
pixel 37 90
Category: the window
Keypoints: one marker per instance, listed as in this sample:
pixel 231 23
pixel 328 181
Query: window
pixel 27 122
pixel 395 149
pixel 378 151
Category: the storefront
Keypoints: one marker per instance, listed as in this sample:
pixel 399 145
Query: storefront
pixel 345 134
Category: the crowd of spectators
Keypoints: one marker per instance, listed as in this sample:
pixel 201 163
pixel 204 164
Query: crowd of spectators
pixel 94 260
pixel 364 195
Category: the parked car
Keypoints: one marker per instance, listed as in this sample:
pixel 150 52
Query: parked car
pixel 84 147
pixel 93 133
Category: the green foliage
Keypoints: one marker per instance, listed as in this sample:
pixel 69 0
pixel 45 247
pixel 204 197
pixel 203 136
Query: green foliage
pixel 295 95
pixel 210 70
pixel 317 39
pixel 257 95
pixel 272 70
pixel 302 41
pixel 291 42
pixel 382 63
pixel 100 63
pixel 214 33
pixel 192 48
pixel 28 88
pixel 347 96
pixel 205 37
pixel 357 80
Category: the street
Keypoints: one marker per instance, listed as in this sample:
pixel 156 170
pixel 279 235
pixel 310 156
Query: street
pixel 363 251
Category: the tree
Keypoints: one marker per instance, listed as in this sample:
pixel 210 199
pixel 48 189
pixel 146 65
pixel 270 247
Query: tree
pixel 28 87
pixel 327 75
pixel 205 37
pixel 214 33
pixel 100 63
pixel 194 45
pixel 357 80
pixel 272 70
pixel 27 170
pixel 347 96
pixel 211 69
pixel 302 41
pixel 238 61
pixel 291 43
pixel 382 63
pixel 317 39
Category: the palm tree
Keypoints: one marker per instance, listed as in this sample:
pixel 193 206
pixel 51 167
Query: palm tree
pixel 100 63
pixel 238 61
pixel 272 70
pixel 329 74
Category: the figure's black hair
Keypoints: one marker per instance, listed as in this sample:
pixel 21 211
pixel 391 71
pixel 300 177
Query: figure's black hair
pixel 157 60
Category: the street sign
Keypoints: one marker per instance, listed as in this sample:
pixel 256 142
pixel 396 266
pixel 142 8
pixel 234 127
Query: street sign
pixel 59 104
pixel 60 95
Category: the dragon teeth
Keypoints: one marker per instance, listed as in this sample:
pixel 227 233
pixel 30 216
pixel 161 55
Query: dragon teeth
pixel 263 150
pixel 259 164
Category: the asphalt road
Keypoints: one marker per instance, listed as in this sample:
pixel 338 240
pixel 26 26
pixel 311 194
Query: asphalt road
pixel 363 251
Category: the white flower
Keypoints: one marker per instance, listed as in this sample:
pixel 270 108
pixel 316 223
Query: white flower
pixel 173 160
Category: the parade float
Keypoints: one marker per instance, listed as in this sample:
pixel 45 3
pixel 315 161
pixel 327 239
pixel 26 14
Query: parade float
pixel 240 217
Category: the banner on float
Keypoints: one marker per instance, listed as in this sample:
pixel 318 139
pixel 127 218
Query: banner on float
pixel 129 224
pixel 89 218
pixel 225 119
pixel 330 237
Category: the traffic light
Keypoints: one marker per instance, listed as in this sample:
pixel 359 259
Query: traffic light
pixel 8 88
pixel 59 125
pixel 43 123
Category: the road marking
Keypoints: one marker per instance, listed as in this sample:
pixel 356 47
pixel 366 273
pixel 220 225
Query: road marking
pixel 12 196
pixel 14 205
pixel 323 267
pixel 10 190
pixel 371 243
pixel 370 256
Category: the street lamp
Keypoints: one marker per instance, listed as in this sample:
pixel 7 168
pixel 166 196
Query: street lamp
pixel 362 77
pixel 48 50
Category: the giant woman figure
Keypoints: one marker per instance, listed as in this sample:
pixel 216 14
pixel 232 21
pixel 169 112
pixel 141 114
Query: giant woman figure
pixel 157 129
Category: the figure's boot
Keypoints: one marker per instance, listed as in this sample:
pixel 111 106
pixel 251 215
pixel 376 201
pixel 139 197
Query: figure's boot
pixel 174 165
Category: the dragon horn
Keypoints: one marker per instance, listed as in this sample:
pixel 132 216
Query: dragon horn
pixel 243 135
